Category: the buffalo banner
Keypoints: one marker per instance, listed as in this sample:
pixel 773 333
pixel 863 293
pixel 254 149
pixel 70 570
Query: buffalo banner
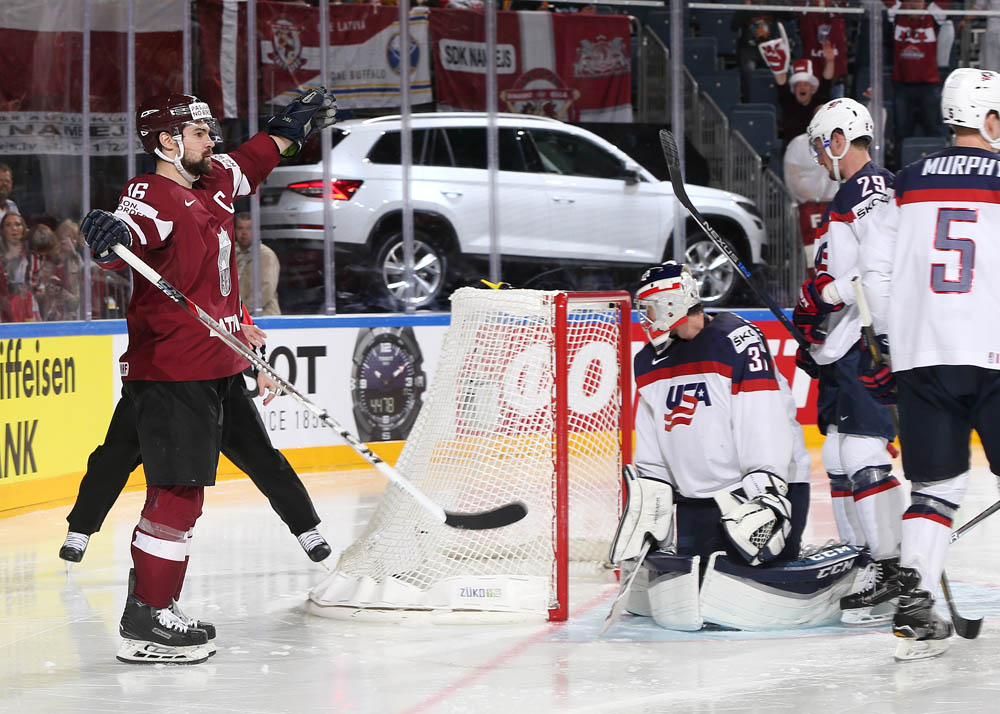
pixel 574 67
pixel 365 59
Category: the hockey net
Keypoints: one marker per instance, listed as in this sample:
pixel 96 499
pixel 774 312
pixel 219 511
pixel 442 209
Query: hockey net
pixel 528 402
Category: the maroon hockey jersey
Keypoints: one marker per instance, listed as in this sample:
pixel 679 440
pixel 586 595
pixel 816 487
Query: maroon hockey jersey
pixel 915 49
pixel 815 29
pixel 186 235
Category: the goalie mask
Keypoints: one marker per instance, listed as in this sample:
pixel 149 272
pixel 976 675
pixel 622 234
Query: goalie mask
pixel 968 97
pixel 665 296
pixel 847 116
pixel 171 113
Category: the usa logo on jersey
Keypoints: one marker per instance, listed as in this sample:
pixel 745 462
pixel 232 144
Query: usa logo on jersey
pixel 682 400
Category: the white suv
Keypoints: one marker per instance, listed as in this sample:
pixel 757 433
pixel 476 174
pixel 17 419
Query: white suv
pixel 574 211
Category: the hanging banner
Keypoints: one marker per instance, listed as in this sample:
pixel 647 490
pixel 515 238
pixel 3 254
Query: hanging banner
pixel 365 60
pixel 41 47
pixel 573 67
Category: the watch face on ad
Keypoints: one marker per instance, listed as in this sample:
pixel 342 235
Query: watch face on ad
pixel 387 382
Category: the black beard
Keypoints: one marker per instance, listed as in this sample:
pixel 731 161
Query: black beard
pixel 197 168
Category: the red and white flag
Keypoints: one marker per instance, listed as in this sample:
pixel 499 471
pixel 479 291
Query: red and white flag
pixel 575 67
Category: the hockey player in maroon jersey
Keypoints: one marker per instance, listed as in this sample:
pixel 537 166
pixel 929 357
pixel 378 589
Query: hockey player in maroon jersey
pixel 930 273
pixel 867 500
pixel 178 220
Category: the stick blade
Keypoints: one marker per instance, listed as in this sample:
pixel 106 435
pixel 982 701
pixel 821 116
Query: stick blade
pixel 669 145
pixel 497 518
pixel 967 629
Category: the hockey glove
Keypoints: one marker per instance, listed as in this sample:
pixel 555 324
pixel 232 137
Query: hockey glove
pixel 648 513
pixel 811 309
pixel 316 109
pixel 757 527
pixel 877 376
pixel 102 230
pixel 805 362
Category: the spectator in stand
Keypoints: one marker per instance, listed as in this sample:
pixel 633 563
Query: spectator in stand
pixel 915 78
pixel 753 28
pixel 816 30
pixel 54 301
pixel 269 268
pixel 16 263
pixel 6 186
pixel 810 185
pixel 800 94
pixel 70 243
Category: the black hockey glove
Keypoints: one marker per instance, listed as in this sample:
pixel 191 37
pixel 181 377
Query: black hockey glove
pixel 102 230
pixel 316 109
pixel 877 377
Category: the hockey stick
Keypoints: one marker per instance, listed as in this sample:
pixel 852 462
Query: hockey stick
pixel 965 627
pixel 619 604
pixel 495 518
pixel 669 145
pixel 868 330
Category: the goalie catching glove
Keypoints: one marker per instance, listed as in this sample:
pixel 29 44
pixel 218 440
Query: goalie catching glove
pixel 102 230
pixel 649 512
pixel 316 109
pixel 757 523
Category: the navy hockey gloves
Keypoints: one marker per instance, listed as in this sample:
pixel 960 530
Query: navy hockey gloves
pixel 805 362
pixel 877 378
pixel 102 230
pixel 811 310
pixel 316 109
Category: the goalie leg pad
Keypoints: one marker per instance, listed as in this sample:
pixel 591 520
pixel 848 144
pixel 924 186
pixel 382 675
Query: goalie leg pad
pixel 649 511
pixel 802 593
pixel 638 597
pixel 673 591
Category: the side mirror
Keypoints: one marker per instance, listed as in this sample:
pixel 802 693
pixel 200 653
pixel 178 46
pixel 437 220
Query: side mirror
pixel 631 176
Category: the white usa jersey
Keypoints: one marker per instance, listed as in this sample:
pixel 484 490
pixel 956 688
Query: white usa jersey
pixel 847 219
pixel 711 410
pixel 932 269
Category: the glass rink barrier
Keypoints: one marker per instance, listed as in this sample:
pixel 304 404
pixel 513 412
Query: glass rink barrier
pixel 541 168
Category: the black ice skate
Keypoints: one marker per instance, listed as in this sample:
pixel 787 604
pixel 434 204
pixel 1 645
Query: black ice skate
pixel 314 545
pixel 875 604
pixel 156 635
pixel 175 608
pixel 925 634
pixel 74 547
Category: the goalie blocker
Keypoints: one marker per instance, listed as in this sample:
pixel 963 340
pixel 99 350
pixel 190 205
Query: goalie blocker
pixel 795 594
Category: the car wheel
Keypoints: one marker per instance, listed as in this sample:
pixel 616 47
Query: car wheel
pixel 429 271
pixel 715 275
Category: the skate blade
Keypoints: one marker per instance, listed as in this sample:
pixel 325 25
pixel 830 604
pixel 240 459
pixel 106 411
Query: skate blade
pixel 909 650
pixel 869 616
pixel 142 652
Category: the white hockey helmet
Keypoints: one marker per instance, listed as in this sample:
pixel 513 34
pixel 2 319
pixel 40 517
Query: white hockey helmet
pixel 968 96
pixel 665 295
pixel 851 118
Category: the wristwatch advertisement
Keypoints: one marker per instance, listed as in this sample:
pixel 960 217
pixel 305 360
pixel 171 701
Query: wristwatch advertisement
pixel 387 382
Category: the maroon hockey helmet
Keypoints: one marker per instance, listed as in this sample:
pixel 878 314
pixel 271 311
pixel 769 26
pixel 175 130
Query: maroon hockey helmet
pixel 170 113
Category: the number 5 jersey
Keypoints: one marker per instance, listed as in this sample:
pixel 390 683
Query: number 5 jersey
pixel 924 262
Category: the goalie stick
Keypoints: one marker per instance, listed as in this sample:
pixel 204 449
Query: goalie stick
pixel 495 518
pixel 669 145
pixel 619 604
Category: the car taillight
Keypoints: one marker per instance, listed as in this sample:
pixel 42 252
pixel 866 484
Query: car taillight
pixel 341 189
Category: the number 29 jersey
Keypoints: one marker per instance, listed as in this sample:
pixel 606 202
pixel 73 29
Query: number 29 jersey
pixel 932 266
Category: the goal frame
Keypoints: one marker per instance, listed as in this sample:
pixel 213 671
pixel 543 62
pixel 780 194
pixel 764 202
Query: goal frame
pixel 560 611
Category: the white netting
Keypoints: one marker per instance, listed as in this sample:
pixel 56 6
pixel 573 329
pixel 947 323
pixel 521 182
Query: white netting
pixel 485 437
